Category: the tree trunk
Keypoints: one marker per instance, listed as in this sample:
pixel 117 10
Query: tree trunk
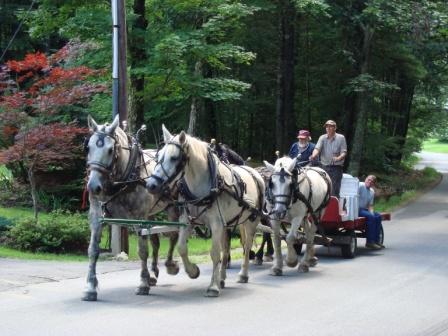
pixel 195 103
pixel 285 125
pixel 363 102
pixel 137 57
pixel 33 190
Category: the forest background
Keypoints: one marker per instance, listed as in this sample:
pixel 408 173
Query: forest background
pixel 248 73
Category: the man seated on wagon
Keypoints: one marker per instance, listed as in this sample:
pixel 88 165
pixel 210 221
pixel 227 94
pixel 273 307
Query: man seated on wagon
pixel 303 146
pixel 373 219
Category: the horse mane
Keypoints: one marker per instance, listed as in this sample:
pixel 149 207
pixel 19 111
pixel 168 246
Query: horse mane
pixel 228 155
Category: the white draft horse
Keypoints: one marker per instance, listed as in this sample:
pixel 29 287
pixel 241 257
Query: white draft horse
pixel 116 169
pixel 211 193
pixel 293 195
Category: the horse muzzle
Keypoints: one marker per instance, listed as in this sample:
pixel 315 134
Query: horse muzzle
pixel 154 184
pixel 279 211
pixel 95 187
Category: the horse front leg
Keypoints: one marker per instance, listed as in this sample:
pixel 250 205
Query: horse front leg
pixel 277 267
pixel 292 258
pixel 171 265
pixel 249 233
pixel 218 237
pixel 184 232
pixel 308 259
pixel 90 292
pixel 145 281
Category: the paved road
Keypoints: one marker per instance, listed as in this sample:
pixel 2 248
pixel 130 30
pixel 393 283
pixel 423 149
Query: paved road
pixel 401 290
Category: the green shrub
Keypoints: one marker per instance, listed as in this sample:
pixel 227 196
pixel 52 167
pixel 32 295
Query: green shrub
pixel 5 224
pixel 60 232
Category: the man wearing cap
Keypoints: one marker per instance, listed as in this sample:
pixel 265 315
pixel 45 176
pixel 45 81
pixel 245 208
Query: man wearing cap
pixel 332 149
pixel 303 147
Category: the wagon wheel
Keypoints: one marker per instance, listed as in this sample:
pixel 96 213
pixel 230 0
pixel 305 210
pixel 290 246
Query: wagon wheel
pixel 381 238
pixel 349 250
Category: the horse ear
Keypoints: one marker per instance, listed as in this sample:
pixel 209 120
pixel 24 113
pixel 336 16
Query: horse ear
pixel 93 126
pixel 292 165
pixel 182 137
pixel 269 166
pixel 166 134
pixel 111 129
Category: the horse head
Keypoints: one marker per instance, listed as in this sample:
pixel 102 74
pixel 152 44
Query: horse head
pixel 281 185
pixel 102 155
pixel 171 161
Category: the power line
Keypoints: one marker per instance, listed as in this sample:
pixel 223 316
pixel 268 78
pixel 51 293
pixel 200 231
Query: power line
pixel 17 30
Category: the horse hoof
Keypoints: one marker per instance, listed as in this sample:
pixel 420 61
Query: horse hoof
pixel 90 296
pixel 222 284
pixel 276 271
pixel 304 268
pixel 172 269
pixel 243 279
pixel 152 281
pixel 258 261
pixel 212 292
pixel 196 272
pixel 155 270
pixel 313 261
pixel 292 263
pixel 142 291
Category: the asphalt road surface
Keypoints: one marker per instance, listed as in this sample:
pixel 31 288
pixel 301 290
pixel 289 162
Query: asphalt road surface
pixel 402 290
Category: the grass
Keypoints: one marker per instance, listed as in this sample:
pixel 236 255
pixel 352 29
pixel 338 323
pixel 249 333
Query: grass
pixel 198 248
pixel 435 146
pixel 410 186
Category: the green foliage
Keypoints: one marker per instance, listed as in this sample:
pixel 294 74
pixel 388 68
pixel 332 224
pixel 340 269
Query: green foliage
pixel 59 232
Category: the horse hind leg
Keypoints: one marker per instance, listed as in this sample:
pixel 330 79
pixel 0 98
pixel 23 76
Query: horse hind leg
pixel 225 257
pixel 249 233
pixel 145 280
pixel 172 267
pixel 219 237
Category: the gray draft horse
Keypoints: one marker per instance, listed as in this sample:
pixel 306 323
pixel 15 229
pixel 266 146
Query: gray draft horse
pixel 292 196
pixel 213 194
pixel 116 169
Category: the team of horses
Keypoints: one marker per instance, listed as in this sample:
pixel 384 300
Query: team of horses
pixel 188 179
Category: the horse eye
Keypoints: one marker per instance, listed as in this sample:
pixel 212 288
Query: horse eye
pixel 110 151
pixel 173 158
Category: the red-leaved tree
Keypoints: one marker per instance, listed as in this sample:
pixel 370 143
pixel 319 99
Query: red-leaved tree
pixel 37 95
pixel 54 145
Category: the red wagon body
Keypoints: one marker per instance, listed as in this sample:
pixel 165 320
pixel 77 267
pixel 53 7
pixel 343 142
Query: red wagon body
pixel 344 233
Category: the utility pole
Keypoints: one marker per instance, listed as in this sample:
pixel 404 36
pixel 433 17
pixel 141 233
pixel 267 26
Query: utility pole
pixel 119 239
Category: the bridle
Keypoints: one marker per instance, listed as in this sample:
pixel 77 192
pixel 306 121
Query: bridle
pixel 285 198
pixel 98 165
pixel 179 166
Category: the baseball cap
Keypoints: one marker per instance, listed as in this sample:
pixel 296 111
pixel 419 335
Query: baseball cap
pixel 303 134
pixel 330 122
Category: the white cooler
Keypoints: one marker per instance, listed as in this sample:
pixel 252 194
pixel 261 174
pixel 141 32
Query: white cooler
pixel 348 201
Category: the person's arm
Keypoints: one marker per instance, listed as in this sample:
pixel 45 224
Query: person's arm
pixel 292 151
pixel 316 150
pixel 343 154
